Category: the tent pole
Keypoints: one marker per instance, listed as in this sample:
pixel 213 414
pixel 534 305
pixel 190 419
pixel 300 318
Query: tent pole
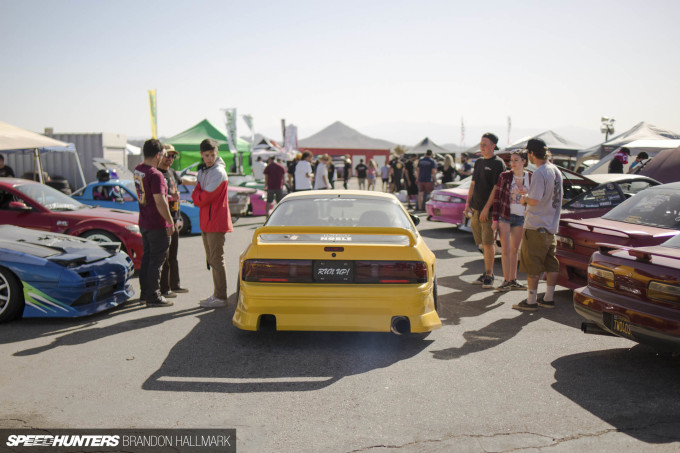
pixel 40 170
pixel 80 169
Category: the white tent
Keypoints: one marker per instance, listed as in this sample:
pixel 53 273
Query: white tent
pixel 641 131
pixel 424 145
pixel 651 147
pixel 14 139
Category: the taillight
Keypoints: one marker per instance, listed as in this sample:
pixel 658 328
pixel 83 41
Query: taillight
pixel 600 276
pixel 391 272
pixel 277 271
pixel 302 271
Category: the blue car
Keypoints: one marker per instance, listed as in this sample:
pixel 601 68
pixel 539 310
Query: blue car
pixel 50 275
pixel 121 194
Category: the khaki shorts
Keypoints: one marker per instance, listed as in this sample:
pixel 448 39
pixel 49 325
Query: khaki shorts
pixel 481 231
pixel 537 253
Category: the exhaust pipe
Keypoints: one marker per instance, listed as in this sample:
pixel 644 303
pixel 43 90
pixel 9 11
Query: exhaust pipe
pixel 594 329
pixel 400 325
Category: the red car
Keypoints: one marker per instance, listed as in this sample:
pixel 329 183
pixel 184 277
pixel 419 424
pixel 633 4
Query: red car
pixel 634 293
pixel 646 219
pixel 33 205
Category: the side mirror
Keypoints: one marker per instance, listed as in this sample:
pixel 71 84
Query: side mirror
pixel 19 206
pixel 415 218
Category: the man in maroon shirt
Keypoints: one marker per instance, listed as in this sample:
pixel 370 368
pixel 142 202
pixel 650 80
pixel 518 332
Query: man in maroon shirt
pixel 273 182
pixel 155 223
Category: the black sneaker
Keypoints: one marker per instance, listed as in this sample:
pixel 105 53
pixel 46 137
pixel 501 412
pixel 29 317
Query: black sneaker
pixel 505 286
pixel 479 280
pixel 546 303
pixel 169 295
pixel 515 285
pixel 524 306
pixel 487 281
pixel 179 289
pixel 162 302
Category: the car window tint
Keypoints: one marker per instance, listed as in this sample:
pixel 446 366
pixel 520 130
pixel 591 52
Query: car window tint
pixel 339 212
pixel 49 198
pixel 602 196
pixel 653 207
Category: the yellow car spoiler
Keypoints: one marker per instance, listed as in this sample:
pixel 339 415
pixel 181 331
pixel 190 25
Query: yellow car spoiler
pixel 375 231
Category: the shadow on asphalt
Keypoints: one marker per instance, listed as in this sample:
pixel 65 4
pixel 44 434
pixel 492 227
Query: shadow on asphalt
pixel 634 390
pixel 504 329
pixel 216 357
pixel 76 331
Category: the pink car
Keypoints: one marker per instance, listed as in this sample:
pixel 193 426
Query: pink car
pixel 446 205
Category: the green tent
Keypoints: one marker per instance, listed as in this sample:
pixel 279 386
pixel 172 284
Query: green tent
pixel 188 144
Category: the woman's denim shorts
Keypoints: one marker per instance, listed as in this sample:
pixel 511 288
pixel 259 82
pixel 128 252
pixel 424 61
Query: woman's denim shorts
pixel 515 220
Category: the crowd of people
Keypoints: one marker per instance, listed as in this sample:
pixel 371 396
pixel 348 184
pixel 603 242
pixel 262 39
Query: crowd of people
pixel 409 175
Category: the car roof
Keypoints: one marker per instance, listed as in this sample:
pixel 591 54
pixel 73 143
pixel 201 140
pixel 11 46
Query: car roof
pixel 339 194
pixel 615 177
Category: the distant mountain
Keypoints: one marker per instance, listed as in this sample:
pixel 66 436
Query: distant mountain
pixel 339 135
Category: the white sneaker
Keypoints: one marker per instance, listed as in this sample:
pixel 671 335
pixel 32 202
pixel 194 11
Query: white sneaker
pixel 213 302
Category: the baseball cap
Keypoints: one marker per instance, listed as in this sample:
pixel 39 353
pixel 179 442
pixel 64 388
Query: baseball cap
pixel 492 137
pixel 169 149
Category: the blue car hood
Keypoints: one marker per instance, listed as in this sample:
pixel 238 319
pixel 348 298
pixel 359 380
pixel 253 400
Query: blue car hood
pixel 45 244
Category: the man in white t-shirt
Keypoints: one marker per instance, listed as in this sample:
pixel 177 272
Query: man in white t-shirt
pixel 258 168
pixel 541 221
pixel 303 172
pixel 321 180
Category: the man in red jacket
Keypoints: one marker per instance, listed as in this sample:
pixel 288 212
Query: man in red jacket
pixel 210 195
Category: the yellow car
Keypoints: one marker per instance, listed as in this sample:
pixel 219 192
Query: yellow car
pixel 338 261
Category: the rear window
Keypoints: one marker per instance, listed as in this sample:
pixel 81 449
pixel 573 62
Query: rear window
pixel 652 207
pixel 604 195
pixel 350 212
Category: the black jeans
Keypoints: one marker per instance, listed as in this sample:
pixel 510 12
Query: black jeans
pixel 156 244
pixel 170 272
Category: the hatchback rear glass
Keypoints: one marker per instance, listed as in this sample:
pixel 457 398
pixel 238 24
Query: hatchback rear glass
pixel 651 207
pixel 340 211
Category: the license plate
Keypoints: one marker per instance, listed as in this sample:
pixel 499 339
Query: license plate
pixel 333 271
pixel 621 325
pixel 437 212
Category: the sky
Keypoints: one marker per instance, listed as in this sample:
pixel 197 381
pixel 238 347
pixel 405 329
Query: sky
pixel 391 69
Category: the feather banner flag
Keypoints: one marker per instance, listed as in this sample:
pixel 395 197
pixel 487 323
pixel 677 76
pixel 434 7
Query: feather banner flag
pixel 231 129
pixel 152 111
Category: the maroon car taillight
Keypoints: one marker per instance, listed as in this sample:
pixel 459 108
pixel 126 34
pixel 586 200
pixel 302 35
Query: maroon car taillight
pixel 391 272
pixel 277 271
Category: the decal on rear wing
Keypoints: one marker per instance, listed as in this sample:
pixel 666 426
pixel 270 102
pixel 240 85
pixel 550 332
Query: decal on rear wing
pixel 342 234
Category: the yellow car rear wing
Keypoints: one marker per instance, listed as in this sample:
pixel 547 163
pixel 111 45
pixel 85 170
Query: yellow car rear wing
pixel 337 230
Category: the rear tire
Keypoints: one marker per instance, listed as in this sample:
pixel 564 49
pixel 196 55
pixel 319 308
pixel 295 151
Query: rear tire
pixel 434 295
pixel 11 296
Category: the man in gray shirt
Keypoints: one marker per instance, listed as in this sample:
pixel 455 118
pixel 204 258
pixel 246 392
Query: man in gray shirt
pixel 541 220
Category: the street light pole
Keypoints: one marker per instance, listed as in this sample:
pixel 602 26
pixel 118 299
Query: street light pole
pixel 607 127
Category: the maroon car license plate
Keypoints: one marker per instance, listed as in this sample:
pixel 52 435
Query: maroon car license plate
pixel 333 271
pixel 621 325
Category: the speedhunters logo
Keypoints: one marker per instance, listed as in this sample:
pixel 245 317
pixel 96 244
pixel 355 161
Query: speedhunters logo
pixel 35 440
pixel 116 440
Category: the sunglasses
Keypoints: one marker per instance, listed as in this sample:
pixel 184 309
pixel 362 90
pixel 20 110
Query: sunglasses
pixel 170 156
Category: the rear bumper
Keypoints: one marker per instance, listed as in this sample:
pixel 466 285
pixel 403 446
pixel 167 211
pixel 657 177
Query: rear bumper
pixel 445 212
pixel 651 324
pixel 573 272
pixel 333 307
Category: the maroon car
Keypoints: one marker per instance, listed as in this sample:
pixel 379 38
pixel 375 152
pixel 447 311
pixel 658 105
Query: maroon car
pixel 33 205
pixel 634 293
pixel 646 219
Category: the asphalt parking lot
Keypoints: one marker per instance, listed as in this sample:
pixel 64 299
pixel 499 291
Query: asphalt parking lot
pixel 491 379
